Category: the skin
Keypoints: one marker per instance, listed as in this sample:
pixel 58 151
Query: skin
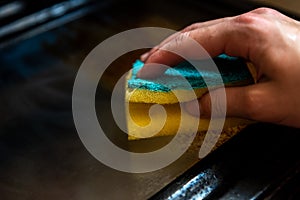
pixel 265 37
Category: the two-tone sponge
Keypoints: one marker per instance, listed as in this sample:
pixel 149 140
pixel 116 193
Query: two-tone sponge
pixel 167 89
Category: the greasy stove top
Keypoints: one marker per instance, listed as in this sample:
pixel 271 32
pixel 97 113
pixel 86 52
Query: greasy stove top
pixel 41 155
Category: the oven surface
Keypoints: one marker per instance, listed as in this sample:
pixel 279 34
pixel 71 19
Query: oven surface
pixel 41 155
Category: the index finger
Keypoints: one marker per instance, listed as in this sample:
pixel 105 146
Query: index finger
pixel 229 36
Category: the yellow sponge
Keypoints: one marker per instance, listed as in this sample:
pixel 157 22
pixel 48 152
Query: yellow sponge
pixel 142 95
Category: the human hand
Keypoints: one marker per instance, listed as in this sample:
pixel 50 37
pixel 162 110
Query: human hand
pixel 265 37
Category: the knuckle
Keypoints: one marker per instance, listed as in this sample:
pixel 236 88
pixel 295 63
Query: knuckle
pixel 190 27
pixel 266 11
pixel 254 104
pixel 159 54
pixel 181 37
pixel 253 25
pixel 219 103
pixel 247 18
pixel 177 42
pixel 259 19
pixel 250 18
pixel 216 103
pixel 205 105
pixel 252 22
pixel 263 106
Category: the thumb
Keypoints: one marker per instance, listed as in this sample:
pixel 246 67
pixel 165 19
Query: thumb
pixel 244 102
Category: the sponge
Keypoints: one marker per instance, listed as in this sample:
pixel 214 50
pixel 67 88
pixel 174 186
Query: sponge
pixel 166 90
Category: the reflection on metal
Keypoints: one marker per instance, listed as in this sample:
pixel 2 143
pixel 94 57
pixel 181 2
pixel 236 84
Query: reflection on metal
pixel 11 8
pixel 41 16
pixel 198 187
pixel 53 23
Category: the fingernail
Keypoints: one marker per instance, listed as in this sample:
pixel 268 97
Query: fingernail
pixel 139 74
pixel 144 56
pixel 151 71
pixel 193 108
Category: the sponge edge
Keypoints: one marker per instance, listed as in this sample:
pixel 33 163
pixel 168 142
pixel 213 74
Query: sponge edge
pixel 136 95
pixel 169 88
pixel 140 101
pixel 139 114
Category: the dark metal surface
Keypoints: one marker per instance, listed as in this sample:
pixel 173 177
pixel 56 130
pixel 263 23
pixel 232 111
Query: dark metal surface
pixel 41 155
pixel 23 19
pixel 261 162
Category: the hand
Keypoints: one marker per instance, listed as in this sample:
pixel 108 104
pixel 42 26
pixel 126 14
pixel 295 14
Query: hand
pixel 265 37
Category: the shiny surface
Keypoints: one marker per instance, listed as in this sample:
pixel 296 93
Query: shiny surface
pixel 41 156
pixel 197 187
pixel 262 162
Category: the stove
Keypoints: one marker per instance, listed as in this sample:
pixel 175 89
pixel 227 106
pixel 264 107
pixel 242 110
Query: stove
pixel 42 46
